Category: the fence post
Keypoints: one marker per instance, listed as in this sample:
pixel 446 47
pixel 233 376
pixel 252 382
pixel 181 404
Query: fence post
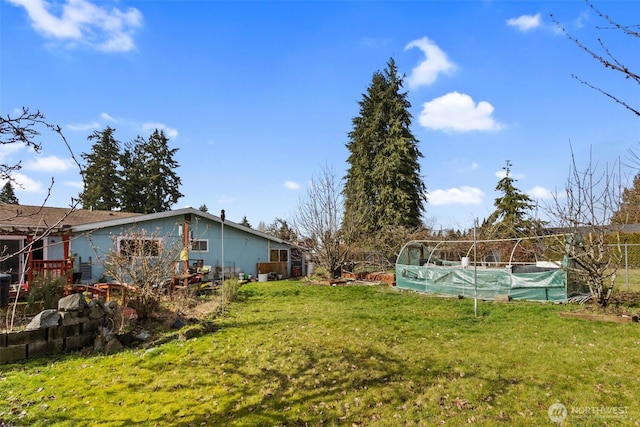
pixel 626 265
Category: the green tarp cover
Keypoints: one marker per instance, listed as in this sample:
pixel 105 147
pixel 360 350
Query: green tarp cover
pixel 539 286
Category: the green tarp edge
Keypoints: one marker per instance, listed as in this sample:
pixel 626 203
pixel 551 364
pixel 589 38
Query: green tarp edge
pixel 539 286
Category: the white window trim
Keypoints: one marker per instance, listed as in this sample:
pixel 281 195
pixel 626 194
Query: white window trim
pixel 198 250
pixel 159 240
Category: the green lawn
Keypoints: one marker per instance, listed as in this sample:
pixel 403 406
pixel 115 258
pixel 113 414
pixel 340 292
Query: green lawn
pixel 292 354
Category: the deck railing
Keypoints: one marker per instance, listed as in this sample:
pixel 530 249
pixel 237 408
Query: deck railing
pixel 51 269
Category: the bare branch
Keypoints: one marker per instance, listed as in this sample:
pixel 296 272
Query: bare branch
pixel 608 60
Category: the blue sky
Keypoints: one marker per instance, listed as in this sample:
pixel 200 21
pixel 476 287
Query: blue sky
pixel 259 96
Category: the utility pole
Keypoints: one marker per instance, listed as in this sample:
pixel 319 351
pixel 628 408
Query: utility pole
pixel 475 270
pixel 222 242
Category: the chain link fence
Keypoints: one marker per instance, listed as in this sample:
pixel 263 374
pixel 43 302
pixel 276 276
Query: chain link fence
pixel 629 271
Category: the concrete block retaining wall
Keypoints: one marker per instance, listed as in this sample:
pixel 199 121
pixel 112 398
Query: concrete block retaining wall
pixel 15 346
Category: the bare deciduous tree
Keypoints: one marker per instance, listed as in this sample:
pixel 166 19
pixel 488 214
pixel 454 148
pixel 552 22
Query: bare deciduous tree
pixel 591 245
pixel 146 262
pixel 320 222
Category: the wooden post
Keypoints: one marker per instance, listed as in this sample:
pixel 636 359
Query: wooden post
pixel 29 260
pixel 67 257
pixel 185 238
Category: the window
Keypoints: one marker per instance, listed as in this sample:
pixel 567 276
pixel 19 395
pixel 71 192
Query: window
pixel 200 245
pixel 279 255
pixel 139 247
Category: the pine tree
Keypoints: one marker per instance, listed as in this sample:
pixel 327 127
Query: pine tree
pixel 7 195
pixel 281 229
pixel 511 216
pixel 383 182
pixel 101 177
pixel 161 182
pixel 245 222
pixel 629 210
pixel 131 192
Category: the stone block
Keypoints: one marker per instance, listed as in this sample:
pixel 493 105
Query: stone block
pixel 78 342
pixel 113 346
pixel 90 326
pixel 96 309
pixel 44 319
pixel 70 318
pixel 40 348
pixel 73 302
pixel 25 337
pixel 63 332
pixel 13 353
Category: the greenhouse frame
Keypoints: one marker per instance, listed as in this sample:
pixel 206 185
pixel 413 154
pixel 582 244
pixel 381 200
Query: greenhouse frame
pixel 485 270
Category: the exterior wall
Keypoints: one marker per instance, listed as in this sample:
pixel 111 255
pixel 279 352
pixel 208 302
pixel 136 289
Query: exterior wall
pixel 242 249
pixel 54 248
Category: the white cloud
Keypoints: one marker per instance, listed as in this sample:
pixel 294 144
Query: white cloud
pixel 26 184
pixel 456 196
pixel 291 185
pixel 436 62
pixel 107 117
pixel 7 150
pixel 539 192
pixel 82 22
pixel 75 184
pixel 151 126
pixel 80 127
pixel 525 22
pixel 458 112
pixel 48 164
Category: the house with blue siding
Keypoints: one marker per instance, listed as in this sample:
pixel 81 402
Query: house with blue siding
pixel 51 241
pixel 35 240
pixel 206 239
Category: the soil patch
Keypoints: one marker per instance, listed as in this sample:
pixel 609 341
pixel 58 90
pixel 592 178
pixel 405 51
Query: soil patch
pixel 601 317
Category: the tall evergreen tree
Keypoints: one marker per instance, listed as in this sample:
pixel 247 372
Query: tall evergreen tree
pixel 101 177
pixel 161 182
pixel 383 182
pixel 511 218
pixel 7 195
pixel 629 209
pixel 132 185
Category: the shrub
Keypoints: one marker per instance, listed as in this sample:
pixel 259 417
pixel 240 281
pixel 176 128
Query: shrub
pixel 46 290
pixel 231 287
